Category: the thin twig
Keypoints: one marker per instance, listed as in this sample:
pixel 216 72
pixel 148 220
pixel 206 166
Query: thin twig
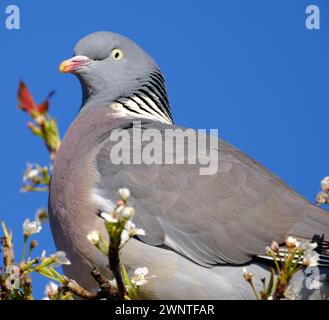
pixel 107 291
pixel 76 289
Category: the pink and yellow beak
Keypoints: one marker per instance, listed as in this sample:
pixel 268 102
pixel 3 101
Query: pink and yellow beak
pixel 74 64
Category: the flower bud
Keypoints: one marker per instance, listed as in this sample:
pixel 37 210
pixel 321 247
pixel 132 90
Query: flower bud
pixel 41 216
pixel 128 213
pixel 33 244
pixel 325 184
pixel 124 194
pixel 291 242
pixel 275 246
pixel 322 197
pixel 120 203
pixel 247 275
pixel 269 251
pixel 93 237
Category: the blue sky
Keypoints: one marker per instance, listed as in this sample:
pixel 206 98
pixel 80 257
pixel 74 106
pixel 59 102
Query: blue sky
pixel 249 68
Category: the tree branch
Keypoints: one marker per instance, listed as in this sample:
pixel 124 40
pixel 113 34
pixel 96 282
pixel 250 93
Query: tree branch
pixel 73 287
pixel 115 266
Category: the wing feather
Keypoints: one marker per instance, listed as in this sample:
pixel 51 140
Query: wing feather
pixel 228 217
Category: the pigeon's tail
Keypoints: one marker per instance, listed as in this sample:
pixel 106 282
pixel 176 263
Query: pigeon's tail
pixel 314 226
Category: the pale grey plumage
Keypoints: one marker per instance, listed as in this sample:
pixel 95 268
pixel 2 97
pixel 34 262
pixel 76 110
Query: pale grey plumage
pixel 199 229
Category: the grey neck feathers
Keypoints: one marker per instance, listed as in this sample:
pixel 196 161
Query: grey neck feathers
pixel 149 100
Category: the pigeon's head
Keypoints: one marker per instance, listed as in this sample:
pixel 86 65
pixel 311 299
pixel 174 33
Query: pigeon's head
pixel 111 67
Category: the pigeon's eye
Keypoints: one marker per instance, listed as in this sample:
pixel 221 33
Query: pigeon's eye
pixel 117 54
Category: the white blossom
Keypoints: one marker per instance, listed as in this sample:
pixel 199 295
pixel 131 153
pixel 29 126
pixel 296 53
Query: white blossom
pixel 30 173
pixel 139 278
pixel 325 184
pixel 119 213
pixel 307 246
pixel 51 288
pixel 124 194
pixel 109 217
pixel 310 259
pixel 130 230
pixel 133 230
pixel 124 237
pixel 93 237
pixel 61 258
pixel 291 242
pixel 128 212
pixel 322 197
pixel 31 227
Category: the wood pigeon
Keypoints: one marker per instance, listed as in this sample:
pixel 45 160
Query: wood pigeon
pixel 200 229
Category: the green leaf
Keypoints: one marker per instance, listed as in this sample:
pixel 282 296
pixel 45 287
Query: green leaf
pixel 125 276
pixel 270 284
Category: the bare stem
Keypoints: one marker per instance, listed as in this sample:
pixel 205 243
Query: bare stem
pixel 24 247
pixel 107 290
pixel 8 252
pixel 115 267
pixel 73 287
